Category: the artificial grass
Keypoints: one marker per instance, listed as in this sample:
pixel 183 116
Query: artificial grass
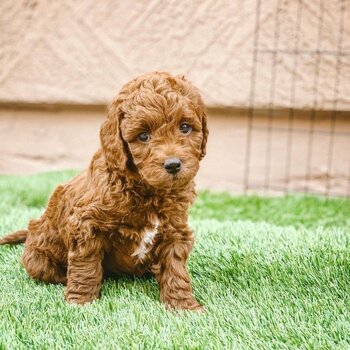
pixel 273 273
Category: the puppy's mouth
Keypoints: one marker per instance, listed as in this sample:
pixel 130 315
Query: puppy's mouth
pixel 179 177
pixel 160 178
pixel 173 178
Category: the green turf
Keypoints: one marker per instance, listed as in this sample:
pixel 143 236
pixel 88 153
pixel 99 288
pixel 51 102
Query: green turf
pixel 272 274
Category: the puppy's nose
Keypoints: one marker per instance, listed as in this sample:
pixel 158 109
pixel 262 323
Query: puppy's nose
pixel 172 165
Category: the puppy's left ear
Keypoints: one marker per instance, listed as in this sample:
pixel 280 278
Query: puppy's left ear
pixel 205 133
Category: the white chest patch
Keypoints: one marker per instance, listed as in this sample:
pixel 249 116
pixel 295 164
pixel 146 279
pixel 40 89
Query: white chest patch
pixel 147 242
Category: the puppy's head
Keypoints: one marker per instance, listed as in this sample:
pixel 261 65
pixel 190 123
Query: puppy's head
pixel 157 129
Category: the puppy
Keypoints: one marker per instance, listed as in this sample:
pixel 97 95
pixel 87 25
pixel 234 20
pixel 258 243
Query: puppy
pixel 127 213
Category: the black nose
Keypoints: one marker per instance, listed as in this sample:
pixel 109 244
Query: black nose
pixel 172 165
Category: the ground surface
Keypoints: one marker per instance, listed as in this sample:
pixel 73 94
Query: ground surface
pixel 272 274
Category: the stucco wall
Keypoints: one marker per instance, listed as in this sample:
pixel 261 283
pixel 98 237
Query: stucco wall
pixel 42 140
pixel 83 51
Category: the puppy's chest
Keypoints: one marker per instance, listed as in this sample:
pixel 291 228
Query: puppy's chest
pixel 144 245
pixel 130 247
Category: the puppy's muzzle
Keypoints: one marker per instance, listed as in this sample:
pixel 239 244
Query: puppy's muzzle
pixel 172 165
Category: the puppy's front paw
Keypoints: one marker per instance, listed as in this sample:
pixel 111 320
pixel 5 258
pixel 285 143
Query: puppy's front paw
pixel 78 299
pixel 184 304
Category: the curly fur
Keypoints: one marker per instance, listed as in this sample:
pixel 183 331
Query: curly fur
pixel 126 213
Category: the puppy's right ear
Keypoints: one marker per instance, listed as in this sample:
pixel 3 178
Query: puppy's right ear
pixel 113 146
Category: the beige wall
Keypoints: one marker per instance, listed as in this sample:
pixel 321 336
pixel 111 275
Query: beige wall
pixel 81 52
pixel 41 140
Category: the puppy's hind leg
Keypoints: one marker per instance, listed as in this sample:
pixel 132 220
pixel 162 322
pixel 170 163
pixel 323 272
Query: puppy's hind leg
pixel 41 265
pixel 45 254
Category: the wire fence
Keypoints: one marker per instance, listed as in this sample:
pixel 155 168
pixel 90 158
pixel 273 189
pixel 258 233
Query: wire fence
pixel 322 134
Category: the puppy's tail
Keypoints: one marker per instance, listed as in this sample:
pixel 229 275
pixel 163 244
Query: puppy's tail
pixel 15 237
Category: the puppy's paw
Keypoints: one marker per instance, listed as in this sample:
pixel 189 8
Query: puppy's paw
pixel 184 304
pixel 78 299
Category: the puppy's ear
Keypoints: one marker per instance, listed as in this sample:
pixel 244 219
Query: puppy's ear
pixel 205 133
pixel 113 145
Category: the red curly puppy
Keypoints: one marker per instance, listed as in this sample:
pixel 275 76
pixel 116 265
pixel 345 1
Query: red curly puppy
pixel 127 213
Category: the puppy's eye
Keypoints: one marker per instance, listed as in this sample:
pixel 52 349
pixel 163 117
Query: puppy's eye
pixel 144 136
pixel 185 128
